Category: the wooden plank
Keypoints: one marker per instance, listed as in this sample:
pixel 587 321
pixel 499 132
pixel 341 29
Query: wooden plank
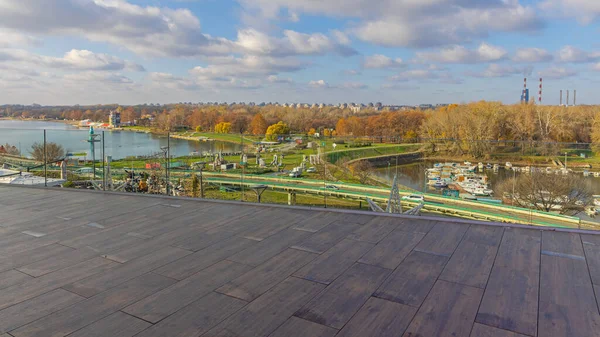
pixel 567 303
pixel 193 263
pixel 487 235
pixel 298 327
pixel 562 243
pixel 392 250
pixel 57 262
pixel 117 324
pixel 327 237
pixel 262 278
pixel 510 301
pixel 93 285
pixel 449 310
pixel 375 230
pixel 416 226
pixel 327 267
pixel 343 297
pixel 470 264
pixel 36 308
pixel 379 318
pixel 197 318
pixel 269 247
pixel 277 221
pixel 84 313
pixel 164 303
pixel 12 277
pixel 150 246
pixel 480 330
pixel 31 256
pixel 22 292
pixel 592 253
pixel 202 240
pixel 265 314
pixel 410 283
pixel 442 239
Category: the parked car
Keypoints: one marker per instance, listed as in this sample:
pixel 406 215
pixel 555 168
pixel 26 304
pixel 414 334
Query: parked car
pixel 413 198
pixel 311 170
pixel 332 187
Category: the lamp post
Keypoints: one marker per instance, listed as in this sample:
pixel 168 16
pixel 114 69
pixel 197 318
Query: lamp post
pixel 165 150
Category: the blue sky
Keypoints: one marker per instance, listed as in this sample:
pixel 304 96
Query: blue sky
pixel 393 51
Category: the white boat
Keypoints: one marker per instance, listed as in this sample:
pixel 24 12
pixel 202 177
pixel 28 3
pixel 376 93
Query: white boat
pixel 597 174
pixel 508 164
pixel 548 170
pixel 440 184
pixel 586 173
pixel 480 166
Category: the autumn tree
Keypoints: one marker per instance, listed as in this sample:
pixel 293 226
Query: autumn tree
pixel 54 152
pixel 223 127
pixel 276 130
pixel 596 133
pixel 259 125
pixel 9 149
pixel 341 127
pixel 566 194
pixel 363 170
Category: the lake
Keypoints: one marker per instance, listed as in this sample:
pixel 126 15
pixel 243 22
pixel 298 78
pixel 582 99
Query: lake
pixel 118 144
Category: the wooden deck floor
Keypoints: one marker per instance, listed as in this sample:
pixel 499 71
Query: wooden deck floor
pixel 94 264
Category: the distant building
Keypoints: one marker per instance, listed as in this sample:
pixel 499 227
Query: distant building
pixel 355 108
pixel 114 120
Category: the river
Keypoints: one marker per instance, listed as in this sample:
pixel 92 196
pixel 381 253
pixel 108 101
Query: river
pixel 413 176
pixel 118 144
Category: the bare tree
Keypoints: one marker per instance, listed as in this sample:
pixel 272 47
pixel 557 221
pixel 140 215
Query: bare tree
pixel 54 152
pixel 566 194
pixel 9 149
pixel 363 170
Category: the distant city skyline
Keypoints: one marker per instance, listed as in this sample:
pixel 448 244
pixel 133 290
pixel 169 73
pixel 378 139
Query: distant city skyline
pixel 399 52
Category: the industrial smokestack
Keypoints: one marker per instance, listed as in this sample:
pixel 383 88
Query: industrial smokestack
pixel 560 97
pixel 524 96
pixel 574 97
pixel 567 98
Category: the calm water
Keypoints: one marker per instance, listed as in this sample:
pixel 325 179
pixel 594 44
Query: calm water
pixel 413 176
pixel 118 144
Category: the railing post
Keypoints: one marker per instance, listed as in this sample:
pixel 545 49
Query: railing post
pixel 45 162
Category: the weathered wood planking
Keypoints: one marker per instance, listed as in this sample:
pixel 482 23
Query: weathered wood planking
pixel 480 330
pixel 84 313
pixel 36 308
pixel 93 285
pixel 260 279
pixel 516 272
pixel 265 314
pixel 298 327
pixel 472 261
pixel 12 277
pixel 343 298
pixel 442 239
pixel 327 237
pixel 567 303
pixel 196 318
pixel 166 302
pixel 193 263
pixel 449 310
pixel 379 318
pixel 117 324
pixel 332 263
pixel 375 230
pixel 411 281
pixel 34 287
pixel 269 247
pixel 392 250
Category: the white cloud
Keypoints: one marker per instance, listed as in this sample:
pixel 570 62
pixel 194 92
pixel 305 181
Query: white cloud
pixel 459 54
pixel 72 60
pixel 585 11
pixel 11 38
pixel 499 70
pixel 318 84
pixel 532 55
pixel 378 61
pixel 555 72
pixel 341 37
pixel 414 74
pixel 278 80
pixel 413 23
pixel 571 54
pixel 354 85
pixel 246 66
